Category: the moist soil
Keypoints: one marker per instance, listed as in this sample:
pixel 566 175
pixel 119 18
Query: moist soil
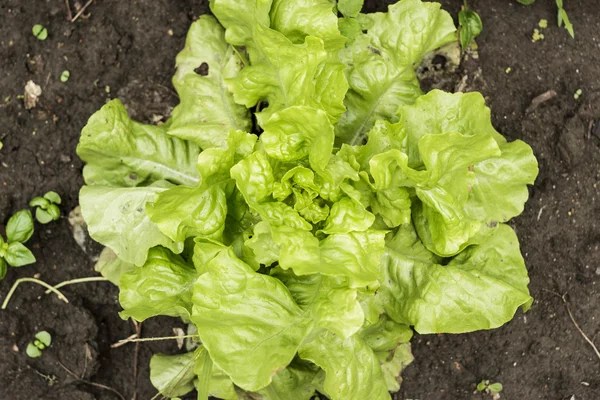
pixel 127 49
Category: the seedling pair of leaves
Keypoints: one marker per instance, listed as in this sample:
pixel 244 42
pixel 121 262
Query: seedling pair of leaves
pixel 41 342
pixel 491 388
pixel 563 18
pixel 12 251
pixel 46 207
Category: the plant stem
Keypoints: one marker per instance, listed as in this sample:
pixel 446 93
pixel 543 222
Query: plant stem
pixel 79 280
pixel 153 339
pixel 39 282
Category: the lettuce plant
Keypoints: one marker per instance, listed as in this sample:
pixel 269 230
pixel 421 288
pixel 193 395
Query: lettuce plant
pixel 307 206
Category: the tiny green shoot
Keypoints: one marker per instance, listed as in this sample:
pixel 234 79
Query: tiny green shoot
pixel 12 251
pixel 526 2
pixel 40 32
pixel 470 25
pixel 578 94
pixel 64 76
pixel 563 18
pixel 46 207
pixel 490 388
pixel 41 342
pixel 543 23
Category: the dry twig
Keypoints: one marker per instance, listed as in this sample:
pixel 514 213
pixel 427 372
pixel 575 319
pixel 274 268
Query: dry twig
pixel 81 11
pixel 98 385
pixel 69 13
pixel 587 339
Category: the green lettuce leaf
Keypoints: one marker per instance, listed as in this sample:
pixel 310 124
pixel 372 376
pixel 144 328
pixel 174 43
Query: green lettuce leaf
pixel 234 304
pixel 440 112
pixel 207 111
pixel 281 73
pixel 332 303
pixel 348 215
pixel 298 381
pixel 116 218
pixel 299 19
pixel 354 255
pixel 352 369
pixel 174 375
pixel 381 64
pixel 122 153
pixel 299 132
pixel 200 211
pixel 112 267
pixel 219 384
pixel 499 191
pixel 481 288
pixel 162 286
pixel 390 342
pixel 393 363
pixel 350 8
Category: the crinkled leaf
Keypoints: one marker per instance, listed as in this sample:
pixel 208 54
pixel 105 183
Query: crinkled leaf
pixel 234 304
pixel 121 152
pixel 18 255
pixel 441 220
pixel 299 132
pixel 281 72
pixel 382 62
pixel 116 218
pixel 254 177
pixel 352 369
pixel 206 111
pixel 162 286
pixel 183 212
pixel 19 227
pixel 332 303
pixel 499 191
pixel 240 17
pixel 112 267
pixel 354 255
pixel 441 112
pixel 350 8
pixel 393 363
pixel 481 288
pixel 348 215
pixel 298 381
pixel 298 19
pixel 385 334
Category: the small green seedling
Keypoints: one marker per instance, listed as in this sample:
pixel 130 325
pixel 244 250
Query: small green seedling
pixel 470 25
pixel 40 32
pixel 490 388
pixel 12 251
pixel 64 77
pixel 563 18
pixel 46 208
pixel 42 340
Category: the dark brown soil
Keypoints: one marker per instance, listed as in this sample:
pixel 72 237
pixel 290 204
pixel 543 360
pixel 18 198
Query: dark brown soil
pixel 130 47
